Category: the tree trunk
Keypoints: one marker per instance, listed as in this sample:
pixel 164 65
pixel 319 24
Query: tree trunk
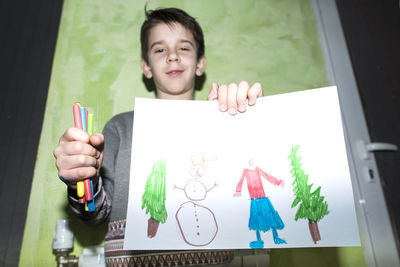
pixel 314 231
pixel 152 228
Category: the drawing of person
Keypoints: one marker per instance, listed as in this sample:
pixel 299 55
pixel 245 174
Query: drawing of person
pixel 263 216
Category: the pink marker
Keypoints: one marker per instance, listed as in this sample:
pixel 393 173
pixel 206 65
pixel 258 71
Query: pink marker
pixel 88 190
pixel 77 115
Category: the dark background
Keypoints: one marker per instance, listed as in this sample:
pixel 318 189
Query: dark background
pixel 372 32
pixel 28 34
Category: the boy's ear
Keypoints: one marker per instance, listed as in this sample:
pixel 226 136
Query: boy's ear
pixel 146 69
pixel 201 66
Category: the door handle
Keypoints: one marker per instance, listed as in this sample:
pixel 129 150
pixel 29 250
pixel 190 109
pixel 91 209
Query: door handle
pixel 365 150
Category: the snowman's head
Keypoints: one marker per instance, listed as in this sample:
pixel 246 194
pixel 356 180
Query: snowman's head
pixel 197 171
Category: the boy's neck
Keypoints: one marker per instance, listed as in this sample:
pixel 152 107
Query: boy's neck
pixel 189 95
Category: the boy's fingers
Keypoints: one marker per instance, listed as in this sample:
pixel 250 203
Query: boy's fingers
pixel 213 95
pixel 76 161
pixel 75 134
pixel 242 92
pixel 77 174
pixel 232 98
pixel 79 148
pixel 254 92
pixel 222 97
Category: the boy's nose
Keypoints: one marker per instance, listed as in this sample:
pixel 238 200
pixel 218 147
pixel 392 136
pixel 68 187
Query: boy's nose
pixel 173 57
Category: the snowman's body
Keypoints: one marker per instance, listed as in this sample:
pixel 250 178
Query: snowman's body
pixel 196 223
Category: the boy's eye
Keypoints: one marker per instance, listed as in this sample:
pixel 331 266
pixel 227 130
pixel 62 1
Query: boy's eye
pixel 159 50
pixel 184 49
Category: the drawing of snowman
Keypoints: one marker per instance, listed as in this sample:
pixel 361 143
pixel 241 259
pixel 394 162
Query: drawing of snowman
pixel 196 222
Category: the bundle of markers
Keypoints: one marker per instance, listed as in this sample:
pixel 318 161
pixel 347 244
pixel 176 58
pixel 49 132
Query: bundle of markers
pixel 83 120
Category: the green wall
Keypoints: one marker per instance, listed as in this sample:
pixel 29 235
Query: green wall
pixel 97 62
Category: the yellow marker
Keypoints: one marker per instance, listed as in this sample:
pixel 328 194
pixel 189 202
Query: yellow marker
pixel 86 206
pixel 90 124
pixel 80 189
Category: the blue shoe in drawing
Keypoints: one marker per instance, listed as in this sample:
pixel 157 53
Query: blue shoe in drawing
pixel 257 244
pixel 278 241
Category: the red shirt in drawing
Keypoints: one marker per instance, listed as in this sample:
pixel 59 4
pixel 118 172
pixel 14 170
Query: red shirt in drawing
pixel 254 184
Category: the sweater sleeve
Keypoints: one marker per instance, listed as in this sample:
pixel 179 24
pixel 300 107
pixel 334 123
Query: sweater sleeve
pixel 270 178
pixel 102 206
pixel 240 184
pixel 105 187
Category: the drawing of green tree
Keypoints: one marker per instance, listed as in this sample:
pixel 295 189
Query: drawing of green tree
pixel 154 197
pixel 311 205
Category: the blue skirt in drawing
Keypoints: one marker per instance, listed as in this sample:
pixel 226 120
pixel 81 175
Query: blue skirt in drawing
pixel 263 216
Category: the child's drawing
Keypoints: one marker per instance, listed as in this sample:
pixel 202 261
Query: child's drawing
pixel 154 197
pixel 269 214
pixel 263 216
pixel 197 223
pixel 311 205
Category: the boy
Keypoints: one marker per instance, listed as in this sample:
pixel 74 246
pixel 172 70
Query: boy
pixel 172 55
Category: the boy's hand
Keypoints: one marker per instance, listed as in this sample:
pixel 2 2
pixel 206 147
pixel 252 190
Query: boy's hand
pixel 234 98
pixel 237 194
pixel 79 156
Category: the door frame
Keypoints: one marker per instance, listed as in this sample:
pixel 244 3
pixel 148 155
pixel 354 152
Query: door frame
pixel 377 236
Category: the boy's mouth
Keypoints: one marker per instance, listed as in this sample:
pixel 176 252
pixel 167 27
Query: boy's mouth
pixel 174 73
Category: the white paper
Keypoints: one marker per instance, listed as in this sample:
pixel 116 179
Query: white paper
pixel 176 130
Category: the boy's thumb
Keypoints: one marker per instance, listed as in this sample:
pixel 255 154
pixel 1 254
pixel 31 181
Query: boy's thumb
pixel 97 140
pixel 213 95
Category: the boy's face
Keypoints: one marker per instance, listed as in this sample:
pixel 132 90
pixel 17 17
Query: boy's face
pixel 173 61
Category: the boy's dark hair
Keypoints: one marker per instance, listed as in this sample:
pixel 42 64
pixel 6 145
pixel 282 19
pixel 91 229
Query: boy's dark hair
pixel 170 16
